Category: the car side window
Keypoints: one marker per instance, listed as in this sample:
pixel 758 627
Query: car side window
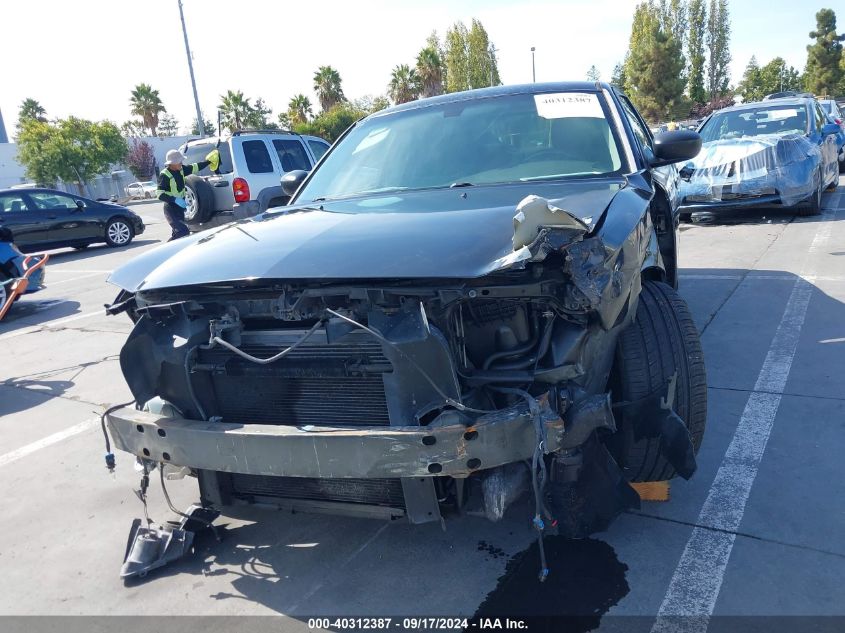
pixel 291 155
pixel 821 119
pixel 257 157
pixel 44 200
pixel 12 203
pixel 318 148
pixel 640 131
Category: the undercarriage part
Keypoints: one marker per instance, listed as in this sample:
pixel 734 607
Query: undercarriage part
pixel 587 490
pixel 502 486
pixel 152 547
pixel 654 443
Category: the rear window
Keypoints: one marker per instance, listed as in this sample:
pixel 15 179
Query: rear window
pixel 12 203
pixel 291 155
pixel 197 153
pixel 257 157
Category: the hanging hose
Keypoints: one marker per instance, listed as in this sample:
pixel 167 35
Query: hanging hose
pixel 173 509
pixel 110 461
pixel 272 359
pixel 538 474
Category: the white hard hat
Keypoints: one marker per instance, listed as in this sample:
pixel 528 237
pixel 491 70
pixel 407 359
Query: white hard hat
pixel 174 157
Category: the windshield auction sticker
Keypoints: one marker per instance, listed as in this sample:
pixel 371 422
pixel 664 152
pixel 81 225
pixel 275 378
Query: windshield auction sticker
pixel 563 105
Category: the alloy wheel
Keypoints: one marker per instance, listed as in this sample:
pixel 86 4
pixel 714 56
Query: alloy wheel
pixel 119 233
pixel 190 204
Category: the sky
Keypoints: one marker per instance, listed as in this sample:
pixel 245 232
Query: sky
pixel 84 57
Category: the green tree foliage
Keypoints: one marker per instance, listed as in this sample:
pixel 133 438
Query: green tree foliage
pixel 331 123
pixel 775 76
pixel 593 73
pixel 749 87
pixel 73 150
pixel 327 85
pixel 258 116
pixel 133 128
pixel 697 13
pixel 430 70
pixel 234 109
pixel 147 104
pixel 433 41
pixel 481 60
pixel 718 38
pixel 31 110
pixel 369 104
pixel 168 125
pixel 404 84
pixel 824 73
pixel 299 110
pixel 457 64
pixel 618 78
pixel 654 65
pixel 674 15
pixel 208 127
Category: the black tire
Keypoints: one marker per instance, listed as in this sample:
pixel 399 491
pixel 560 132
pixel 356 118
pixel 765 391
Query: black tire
pixel 814 203
pixel 662 340
pixel 200 201
pixel 119 232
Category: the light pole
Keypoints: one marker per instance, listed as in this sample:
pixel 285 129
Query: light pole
pixel 200 125
pixel 533 71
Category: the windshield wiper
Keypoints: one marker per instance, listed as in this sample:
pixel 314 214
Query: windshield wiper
pixel 455 185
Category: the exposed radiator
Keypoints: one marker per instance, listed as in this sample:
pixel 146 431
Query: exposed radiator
pixel 317 383
pixel 382 492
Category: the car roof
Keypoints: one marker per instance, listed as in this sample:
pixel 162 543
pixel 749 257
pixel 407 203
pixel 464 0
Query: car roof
pixel 768 103
pixel 498 91
pixel 38 190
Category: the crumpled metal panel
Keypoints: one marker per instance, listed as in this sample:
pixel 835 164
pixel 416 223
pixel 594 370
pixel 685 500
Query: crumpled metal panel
pixel 749 167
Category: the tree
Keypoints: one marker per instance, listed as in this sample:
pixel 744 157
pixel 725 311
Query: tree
pixel 750 88
pixel 593 74
pixel 327 85
pixel 674 15
pixel 31 109
pixel 403 86
pixel 718 45
pixel 457 64
pixel 697 13
pixel 234 109
pixel 299 110
pixel 331 123
pixel 482 68
pixel 258 116
pixel 433 41
pixel 369 104
pixel 430 70
pixel 654 65
pixel 824 71
pixel 133 127
pixel 168 125
pixel 208 127
pixel 618 78
pixel 73 150
pixel 147 104
pixel 776 76
pixel 141 160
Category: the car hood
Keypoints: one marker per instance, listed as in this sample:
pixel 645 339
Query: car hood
pixel 453 233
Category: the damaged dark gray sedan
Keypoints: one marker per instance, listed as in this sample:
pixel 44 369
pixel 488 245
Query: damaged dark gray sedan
pixel 471 296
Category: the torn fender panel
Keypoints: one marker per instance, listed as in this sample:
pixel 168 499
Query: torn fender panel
pixel 469 235
pixel 750 167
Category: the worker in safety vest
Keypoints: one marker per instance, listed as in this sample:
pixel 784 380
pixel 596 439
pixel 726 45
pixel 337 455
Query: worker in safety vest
pixel 171 187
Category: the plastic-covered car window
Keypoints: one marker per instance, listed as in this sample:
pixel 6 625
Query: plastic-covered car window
pixel 511 138
pixel 776 120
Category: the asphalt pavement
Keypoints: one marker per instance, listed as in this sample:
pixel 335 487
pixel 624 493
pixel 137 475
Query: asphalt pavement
pixel 757 531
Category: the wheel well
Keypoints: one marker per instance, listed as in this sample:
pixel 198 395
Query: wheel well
pixel 664 226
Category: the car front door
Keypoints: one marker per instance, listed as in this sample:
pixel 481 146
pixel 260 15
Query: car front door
pixel 67 221
pixel 827 146
pixel 28 225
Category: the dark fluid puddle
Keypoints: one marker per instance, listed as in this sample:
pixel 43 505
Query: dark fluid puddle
pixel 585 580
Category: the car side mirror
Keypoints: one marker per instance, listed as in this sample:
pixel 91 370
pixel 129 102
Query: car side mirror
pixel 675 147
pixel 292 180
pixel 830 128
pixel 80 206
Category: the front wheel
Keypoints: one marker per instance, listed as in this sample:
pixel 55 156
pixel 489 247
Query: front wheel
pixel 662 342
pixel 119 232
pixel 814 206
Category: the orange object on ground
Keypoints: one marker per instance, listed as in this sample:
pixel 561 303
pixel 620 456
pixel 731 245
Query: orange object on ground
pixel 652 490
pixel 19 286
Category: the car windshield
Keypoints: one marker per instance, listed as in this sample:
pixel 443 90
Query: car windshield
pixel 483 141
pixel 779 120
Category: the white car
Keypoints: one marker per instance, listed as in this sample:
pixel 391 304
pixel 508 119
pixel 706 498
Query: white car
pixel 145 189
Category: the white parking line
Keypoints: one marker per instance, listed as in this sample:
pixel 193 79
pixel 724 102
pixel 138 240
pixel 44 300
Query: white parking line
pixel 72 279
pixel 49 325
pixel 697 580
pixel 55 438
pixel 55 269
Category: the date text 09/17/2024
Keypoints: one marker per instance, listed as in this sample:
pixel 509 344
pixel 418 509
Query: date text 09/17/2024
pixel 417 624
